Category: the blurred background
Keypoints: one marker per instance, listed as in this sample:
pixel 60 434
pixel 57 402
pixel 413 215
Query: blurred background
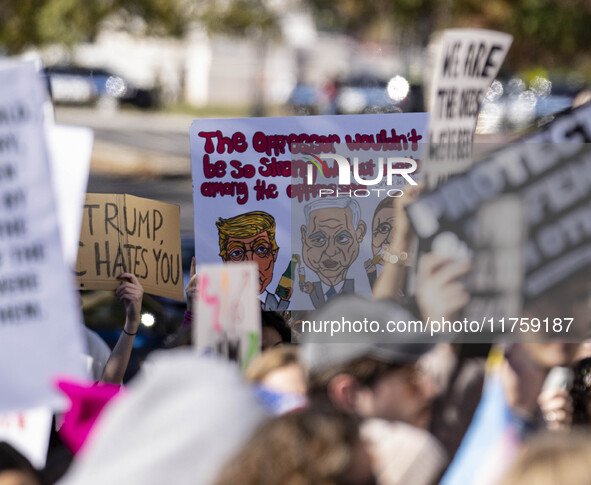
pixel 139 71
pixel 261 57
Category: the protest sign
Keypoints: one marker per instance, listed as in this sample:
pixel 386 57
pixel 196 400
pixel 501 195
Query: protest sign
pixel 40 321
pixel 70 150
pixel 28 432
pixel 244 191
pixel 122 233
pixel 464 64
pixel 496 275
pixel 550 172
pixel 228 311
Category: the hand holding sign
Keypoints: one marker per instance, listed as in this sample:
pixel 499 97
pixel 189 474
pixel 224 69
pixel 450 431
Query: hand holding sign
pixel 439 293
pixel 130 292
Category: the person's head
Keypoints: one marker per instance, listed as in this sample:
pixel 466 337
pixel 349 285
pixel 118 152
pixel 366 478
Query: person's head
pixel 181 421
pixel 372 388
pixel 369 377
pixel 309 447
pixel 15 469
pixel 275 330
pixel 278 370
pixel 382 226
pixel 331 237
pixel 250 237
pixel 554 458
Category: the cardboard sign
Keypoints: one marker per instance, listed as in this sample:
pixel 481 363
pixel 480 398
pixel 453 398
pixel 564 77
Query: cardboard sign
pixel 228 310
pixel 244 192
pixel 40 320
pixel 122 233
pixel 28 432
pixel 550 170
pixel 466 61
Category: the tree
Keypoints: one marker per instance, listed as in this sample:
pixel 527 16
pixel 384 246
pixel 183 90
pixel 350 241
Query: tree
pixel 31 23
pixel 245 19
pixel 553 33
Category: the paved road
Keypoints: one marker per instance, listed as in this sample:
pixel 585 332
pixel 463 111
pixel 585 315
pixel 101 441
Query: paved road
pixel 145 130
pixel 130 143
pixel 142 154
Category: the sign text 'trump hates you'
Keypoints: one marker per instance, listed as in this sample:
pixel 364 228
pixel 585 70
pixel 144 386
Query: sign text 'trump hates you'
pixel 126 234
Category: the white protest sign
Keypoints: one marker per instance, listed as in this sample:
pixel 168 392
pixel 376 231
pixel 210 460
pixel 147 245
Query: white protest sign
pixel 70 149
pixel 466 61
pixel 40 329
pixel 228 311
pixel 243 193
pixel 28 432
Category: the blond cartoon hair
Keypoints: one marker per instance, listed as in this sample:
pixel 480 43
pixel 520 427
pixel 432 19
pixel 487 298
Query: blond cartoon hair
pixel 243 226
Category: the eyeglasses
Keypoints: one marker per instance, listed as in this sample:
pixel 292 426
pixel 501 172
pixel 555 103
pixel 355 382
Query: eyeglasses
pixel 240 253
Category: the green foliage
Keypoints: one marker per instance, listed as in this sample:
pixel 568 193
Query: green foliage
pixel 240 18
pixel 18 27
pixel 27 23
pixel 553 33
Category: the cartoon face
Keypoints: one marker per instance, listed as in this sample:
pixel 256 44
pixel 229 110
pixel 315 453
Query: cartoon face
pixel 257 249
pixel 382 231
pixel 330 243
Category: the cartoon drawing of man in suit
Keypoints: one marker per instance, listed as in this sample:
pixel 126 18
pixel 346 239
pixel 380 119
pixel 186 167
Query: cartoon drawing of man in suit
pixel 330 244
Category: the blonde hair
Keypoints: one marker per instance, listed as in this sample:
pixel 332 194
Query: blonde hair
pixel 271 360
pixel 243 226
pixel 554 458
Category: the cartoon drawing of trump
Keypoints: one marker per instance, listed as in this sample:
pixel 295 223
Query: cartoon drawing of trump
pixel 251 237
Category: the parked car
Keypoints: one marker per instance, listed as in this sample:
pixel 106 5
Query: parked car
pixel 76 85
pixel 510 106
pixel 362 93
pixel 369 94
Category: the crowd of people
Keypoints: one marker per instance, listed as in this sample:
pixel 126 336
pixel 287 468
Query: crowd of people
pixel 311 412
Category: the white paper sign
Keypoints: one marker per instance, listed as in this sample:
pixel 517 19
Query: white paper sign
pixel 28 432
pixel 228 311
pixel 242 179
pixel 466 63
pixel 70 150
pixel 40 329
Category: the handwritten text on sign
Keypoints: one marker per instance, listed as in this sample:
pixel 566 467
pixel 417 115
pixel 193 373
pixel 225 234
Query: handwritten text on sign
pixel 467 61
pixel 229 311
pixel 38 313
pixel 121 234
pixel 270 147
